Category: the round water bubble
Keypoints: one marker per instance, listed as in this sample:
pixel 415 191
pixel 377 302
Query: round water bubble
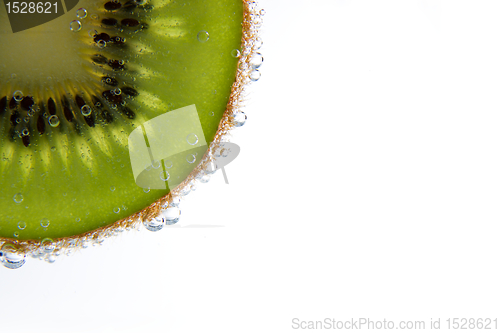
pixel 192 139
pixel 81 13
pixel 54 121
pixel 262 12
pixel 21 225
pixel 75 26
pixel 11 258
pixel 101 44
pixel 116 91
pixel 175 202
pixel 155 224
pixel 171 215
pixel 191 158
pixel 86 110
pixel 16 234
pixel 116 210
pixel 47 245
pixel 255 75
pixel 256 60
pixel 239 118
pixel 25 132
pixel 164 175
pixel 156 164
pixel 168 164
pixel 258 43
pixel 112 188
pixel 203 36
pixel 44 222
pixel 146 190
pixel 18 95
pixel 18 198
pixel 235 53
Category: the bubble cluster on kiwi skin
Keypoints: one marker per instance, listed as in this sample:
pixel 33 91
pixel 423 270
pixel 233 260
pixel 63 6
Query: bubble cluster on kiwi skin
pixel 88 105
pixel 48 252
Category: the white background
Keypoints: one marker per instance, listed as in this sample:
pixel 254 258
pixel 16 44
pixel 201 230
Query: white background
pixel 368 185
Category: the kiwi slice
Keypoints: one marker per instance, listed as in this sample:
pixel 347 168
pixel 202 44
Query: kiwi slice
pixel 72 90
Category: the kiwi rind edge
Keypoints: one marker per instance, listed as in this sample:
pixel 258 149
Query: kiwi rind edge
pixel 251 24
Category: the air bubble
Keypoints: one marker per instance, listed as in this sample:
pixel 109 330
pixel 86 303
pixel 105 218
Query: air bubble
pixel 262 12
pixel 53 148
pixel 192 139
pixel 92 33
pixel 21 225
pixel 101 44
pixel 47 245
pixel 255 75
pixel 78 219
pixel 25 132
pixel 235 53
pixel 155 224
pixel 18 198
pixel 258 43
pixel 11 258
pixel 256 60
pixel 164 175
pixel 171 215
pixel 18 95
pixel 203 36
pixel 54 121
pixel 81 13
pixel 112 188
pixel 146 190
pixel 94 17
pixel 239 118
pixel 190 158
pixel 86 110
pixel 75 26
pixel 168 164
pixel 116 91
pixel 16 234
pixel 44 222
pixel 156 164
pixel 116 210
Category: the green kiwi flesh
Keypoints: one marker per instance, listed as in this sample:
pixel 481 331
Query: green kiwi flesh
pixel 65 180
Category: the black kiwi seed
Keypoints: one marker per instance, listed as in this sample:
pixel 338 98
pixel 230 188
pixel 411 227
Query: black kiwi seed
pixel 102 37
pixel 90 120
pixel 99 59
pixel 109 81
pixel 129 22
pixel 26 140
pixel 129 91
pixel 109 22
pixel 15 118
pixel 111 5
pixel 128 112
pixel 12 103
pixel 3 105
pixel 79 101
pixel 40 124
pixel 116 65
pixel 27 102
pixel 112 97
pixel 52 106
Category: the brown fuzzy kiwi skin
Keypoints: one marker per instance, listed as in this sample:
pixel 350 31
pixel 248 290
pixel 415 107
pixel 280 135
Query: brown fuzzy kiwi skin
pixel 251 25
